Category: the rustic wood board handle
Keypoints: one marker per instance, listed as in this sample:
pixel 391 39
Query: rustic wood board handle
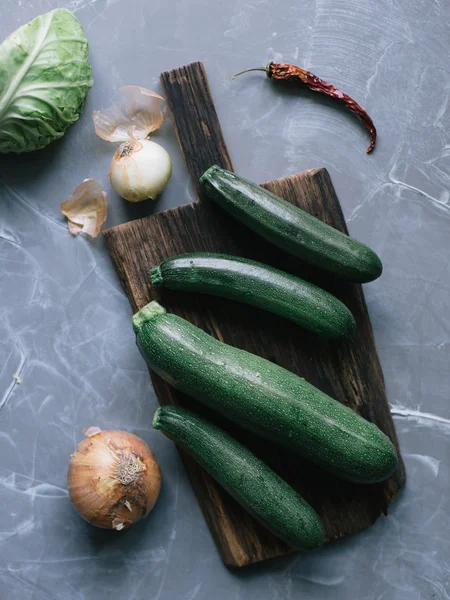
pixel 195 120
pixel 349 371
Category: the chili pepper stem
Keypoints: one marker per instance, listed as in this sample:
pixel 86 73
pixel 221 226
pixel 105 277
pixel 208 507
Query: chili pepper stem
pixel 266 69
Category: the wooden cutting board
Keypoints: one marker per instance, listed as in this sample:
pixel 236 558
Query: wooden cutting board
pixel 349 371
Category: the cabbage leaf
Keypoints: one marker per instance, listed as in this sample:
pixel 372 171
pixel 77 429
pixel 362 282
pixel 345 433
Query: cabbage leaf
pixel 45 75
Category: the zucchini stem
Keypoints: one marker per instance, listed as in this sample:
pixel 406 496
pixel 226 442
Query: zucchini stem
pixel 147 313
pixel 156 276
pixel 155 421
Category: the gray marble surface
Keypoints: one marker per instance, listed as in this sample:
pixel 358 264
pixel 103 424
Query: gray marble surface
pixel 65 322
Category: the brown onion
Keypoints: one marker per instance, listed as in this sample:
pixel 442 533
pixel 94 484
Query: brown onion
pixel 114 478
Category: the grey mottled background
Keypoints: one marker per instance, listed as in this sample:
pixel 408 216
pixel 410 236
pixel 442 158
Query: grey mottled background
pixel 65 322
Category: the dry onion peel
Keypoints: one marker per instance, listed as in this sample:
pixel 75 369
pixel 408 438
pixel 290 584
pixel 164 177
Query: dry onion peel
pixel 90 431
pixel 136 113
pixel 86 208
pixel 114 479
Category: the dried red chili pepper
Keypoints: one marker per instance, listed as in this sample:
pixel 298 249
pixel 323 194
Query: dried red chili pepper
pixel 289 72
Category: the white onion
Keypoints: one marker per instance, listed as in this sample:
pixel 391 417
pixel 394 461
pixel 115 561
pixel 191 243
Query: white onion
pixel 140 170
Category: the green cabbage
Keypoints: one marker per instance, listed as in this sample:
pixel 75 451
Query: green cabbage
pixel 45 76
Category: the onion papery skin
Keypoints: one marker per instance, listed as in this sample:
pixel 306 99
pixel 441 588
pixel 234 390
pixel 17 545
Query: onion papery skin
pixel 114 479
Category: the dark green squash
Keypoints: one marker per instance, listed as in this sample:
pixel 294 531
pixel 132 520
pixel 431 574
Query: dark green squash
pixel 258 285
pixel 290 228
pixel 262 492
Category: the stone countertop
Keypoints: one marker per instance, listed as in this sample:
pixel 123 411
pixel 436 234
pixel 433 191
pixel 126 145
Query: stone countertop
pixel 65 321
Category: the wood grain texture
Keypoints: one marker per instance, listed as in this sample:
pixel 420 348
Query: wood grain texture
pixel 196 123
pixel 349 370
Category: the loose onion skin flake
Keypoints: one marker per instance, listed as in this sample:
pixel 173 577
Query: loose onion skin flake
pixel 114 479
pixel 86 208
pixel 135 113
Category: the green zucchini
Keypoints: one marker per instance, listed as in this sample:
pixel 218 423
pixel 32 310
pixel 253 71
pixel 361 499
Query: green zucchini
pixel 257 488
pixel 263 397
pixel 290 228
pixel 258 285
